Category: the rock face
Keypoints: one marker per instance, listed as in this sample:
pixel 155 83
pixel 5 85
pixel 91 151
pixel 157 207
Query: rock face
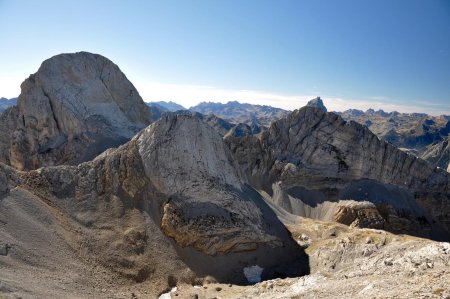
pixel 360 263
pixel 169 203
pixel 73 108
pixel 210 206
pixel 185 167
pixel 317 103
pixel 235 112
pixel 317 158
pixel 417 133
pixel 438 154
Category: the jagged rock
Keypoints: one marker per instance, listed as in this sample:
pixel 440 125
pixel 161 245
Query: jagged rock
pixel 438 154
pixel 4 248
pixel 317 159
pixel 169 202
pixel 317 103
pixel 73 108
pixel 189 159
pixel 220 125
pixel 420 134
pixel 359 214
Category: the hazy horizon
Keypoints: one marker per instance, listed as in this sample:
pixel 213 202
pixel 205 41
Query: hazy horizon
pixel 384 55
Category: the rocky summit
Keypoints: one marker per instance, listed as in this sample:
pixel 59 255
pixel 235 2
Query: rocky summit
pixel 311 160
pixel 74 107
pixel 100 199
pixel 317 103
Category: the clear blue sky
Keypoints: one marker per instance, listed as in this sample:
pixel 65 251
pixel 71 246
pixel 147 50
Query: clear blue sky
pixel 390 52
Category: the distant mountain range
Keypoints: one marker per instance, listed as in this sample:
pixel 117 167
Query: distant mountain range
pixel 235 112
pixel 418 133
pixel 166 106
pixel 6 103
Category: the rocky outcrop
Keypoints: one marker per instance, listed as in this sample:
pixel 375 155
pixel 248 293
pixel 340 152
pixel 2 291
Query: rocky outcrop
pixel 317 157
pixel 317 103
pixel 360 263
pixel 359 214
pixel 73 108
pixel 186 159
pixel 170 205
pixel 438 154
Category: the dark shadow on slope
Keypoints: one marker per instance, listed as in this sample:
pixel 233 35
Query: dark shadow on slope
pixel 403 210
pixel 288 260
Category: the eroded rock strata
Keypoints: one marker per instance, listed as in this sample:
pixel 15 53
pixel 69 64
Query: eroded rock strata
pixel 74 107
pixel 311 160
pixel 170 203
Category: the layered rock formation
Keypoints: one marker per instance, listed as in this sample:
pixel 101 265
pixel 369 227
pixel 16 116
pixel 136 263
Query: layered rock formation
pixel 73 108
pixel 318 159
pixel 178 205
pixel 438 154
pixel 357 263
pixel 170 205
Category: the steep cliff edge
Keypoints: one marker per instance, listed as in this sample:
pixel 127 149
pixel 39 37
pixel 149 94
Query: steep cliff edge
pixel 167 206
pixel 317 158
pixel 74 107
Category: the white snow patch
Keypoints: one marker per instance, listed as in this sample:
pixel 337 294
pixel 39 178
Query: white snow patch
pixel 167 295
pixel 253 273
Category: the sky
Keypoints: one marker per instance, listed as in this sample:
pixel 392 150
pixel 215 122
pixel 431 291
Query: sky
pixel 384 54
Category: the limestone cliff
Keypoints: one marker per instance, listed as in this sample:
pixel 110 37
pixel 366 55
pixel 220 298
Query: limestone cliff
pixel 74 107
pixel 170 205
pixel 318 158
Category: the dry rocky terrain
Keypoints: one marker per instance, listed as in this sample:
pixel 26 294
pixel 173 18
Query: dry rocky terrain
pixel 420 134
pixel 186 208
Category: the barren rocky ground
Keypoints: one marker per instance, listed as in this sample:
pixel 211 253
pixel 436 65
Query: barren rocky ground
pixel 183 209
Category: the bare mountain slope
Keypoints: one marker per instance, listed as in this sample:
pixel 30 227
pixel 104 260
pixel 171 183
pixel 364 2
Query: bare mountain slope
pixel 311 160
pixel 72 109
pixel 168 206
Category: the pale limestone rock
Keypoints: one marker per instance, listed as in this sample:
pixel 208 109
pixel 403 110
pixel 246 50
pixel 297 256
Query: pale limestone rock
pixel 359 214
pixel 136 211
pixel 73 108
pixel 317 159
pixel 187 160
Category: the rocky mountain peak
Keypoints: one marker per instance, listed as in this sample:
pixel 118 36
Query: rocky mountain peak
pixel 180 148
pixel 75 106
pixel 317 103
